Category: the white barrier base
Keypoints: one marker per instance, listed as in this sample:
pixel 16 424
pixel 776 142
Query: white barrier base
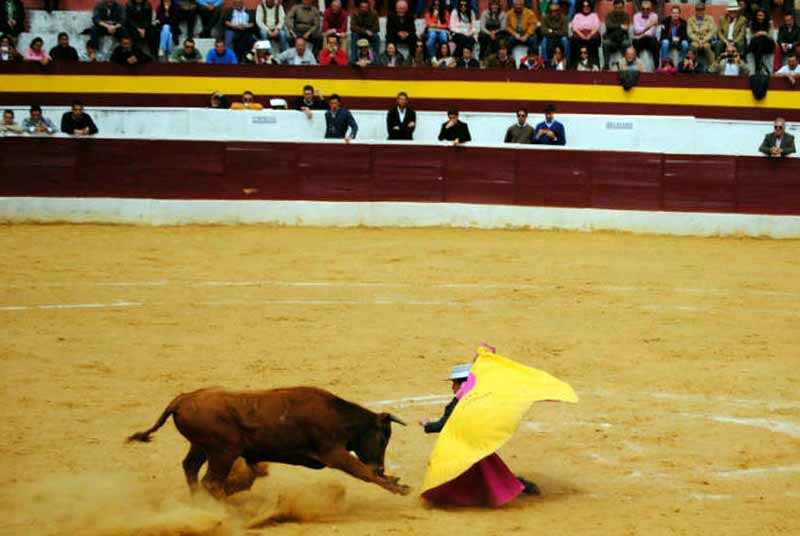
pixel 388 214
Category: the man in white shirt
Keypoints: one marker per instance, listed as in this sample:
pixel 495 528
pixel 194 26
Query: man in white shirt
pixel 790 71
pixel 299 55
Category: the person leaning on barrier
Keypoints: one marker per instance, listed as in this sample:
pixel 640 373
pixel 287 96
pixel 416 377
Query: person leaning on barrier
pixel 219 101
pixel 521 131
pixel 299 55
pixel 338 120
pixel 76 122
pixel 790 71
pixel 310 100
pixel 501 60
pixel 63 51
pixel 248 103
pixel 10 126
pixel 36 123
pixel 454 130
pixel 401 120
pixel 127 55
pixel 186 54
pixel 549 131
pixel 779 143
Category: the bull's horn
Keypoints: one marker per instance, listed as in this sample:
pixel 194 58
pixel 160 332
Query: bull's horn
pixel 396 419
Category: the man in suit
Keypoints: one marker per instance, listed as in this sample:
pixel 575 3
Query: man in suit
pixel 401 120
pixel 454 130
pixel 549 131
pixel 778 144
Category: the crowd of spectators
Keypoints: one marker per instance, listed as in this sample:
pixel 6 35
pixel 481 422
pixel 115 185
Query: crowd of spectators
pixel 557 35
pixel 75 122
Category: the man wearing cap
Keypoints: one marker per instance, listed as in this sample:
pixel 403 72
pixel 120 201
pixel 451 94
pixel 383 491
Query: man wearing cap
pixel 778 144
pixel 262 54
pixel 702 32
pixel 549 131
pixel 732 30
pixel 364 25
pixel 364 56
pixel 458 375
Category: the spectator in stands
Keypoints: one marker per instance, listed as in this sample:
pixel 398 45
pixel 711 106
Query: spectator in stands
pixel 549 131
pixel 240 24
pixel 788 39
pixel 779 143
pixel 732 29
pixel 401 120
pixel 364 25
pixel 167 27
pixel 219 101
pixel 702 32
pixel 311 100
pixel 220 54
pixel 7 50
pixel 555 28
pixel 338 119
pixel 187 11
pixel 76 122
pixel 333 54
pixel 107 19
pixel 334 21
pixel 690 65
pixel 558 61
pixel 126 54
pixel 36 52
pixel 629 62
pixel 674 34
pixel 645 31
pixel 617 38
pixel 36 123
pixel 188 53
pixel 419 56
pixel 443 57
pixel 521 131
pixel 586 32
pixel 658 8
pixel 521 24
pixel 51 5
pixel 585 62
pixel 454 130
pixel 248 103
pixel 210 12
pixel 462 27
pixel 437 24
pixel 271 21
pixel 532 61
pixel 667 66
pixel 63 51
pixel 139 26
pixel 12 18
pixel 761 42
pixel 492 29
pixel 391 57
pixel 364 56
pixel 730 63
pixel 400 28
pixel 467 61
pixel 10 126
pixel 261 54
pixel 299 55
pixel 501 60
pixel 790 71
pixel 303 20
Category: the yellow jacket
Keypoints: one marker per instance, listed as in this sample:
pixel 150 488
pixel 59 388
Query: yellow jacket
pixel 529 21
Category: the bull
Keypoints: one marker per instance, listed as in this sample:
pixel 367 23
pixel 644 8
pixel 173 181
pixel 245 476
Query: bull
pixel 302 426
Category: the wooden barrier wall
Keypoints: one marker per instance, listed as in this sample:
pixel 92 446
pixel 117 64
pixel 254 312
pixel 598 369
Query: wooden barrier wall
pixel 61 167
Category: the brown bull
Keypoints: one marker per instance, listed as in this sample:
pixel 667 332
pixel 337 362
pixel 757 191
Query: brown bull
pixel 299 426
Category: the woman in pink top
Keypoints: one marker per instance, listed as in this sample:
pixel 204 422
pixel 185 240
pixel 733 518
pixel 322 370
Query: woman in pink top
pixel 36 52
pixel 585 33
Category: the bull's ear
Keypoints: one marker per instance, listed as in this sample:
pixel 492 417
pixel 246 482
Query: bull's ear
pixel 391 418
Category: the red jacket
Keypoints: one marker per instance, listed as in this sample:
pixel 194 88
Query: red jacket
pixel 334 21
pixel 340 58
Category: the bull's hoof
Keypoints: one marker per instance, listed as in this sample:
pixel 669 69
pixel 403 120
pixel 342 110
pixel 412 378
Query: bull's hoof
pixel 401 489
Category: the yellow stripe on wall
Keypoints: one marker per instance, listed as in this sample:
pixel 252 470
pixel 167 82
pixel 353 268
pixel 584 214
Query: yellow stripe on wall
pixel 478 90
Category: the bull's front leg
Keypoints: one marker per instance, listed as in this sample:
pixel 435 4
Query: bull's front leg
pixel 341 459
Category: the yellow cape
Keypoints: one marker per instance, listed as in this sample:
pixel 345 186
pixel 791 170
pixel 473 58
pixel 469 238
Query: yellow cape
pixel 486 417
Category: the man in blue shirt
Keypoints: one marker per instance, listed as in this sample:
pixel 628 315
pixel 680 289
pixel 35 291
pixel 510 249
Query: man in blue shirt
pixel 549 131
pixel 221 54
pixel 337 119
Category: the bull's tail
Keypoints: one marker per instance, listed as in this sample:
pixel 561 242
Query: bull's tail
pixel 144 437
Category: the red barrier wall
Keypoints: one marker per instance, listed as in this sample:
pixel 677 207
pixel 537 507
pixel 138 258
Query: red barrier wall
pixel 61 167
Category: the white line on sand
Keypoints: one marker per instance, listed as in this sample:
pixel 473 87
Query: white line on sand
pixel 753 471
pixel 112 305
pixel 779 427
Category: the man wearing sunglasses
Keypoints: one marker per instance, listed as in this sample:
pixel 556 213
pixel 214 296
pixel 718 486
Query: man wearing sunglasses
pixel 521 131
pixel 778 143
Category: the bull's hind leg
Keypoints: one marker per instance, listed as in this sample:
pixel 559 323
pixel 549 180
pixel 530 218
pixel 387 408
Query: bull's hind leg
pixel 194 459
pixel 219 466
pixel 344 461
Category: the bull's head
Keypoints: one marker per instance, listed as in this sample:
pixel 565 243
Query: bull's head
pixel 371 446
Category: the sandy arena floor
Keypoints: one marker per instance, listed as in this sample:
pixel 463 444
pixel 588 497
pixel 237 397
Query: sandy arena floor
pixel 684 352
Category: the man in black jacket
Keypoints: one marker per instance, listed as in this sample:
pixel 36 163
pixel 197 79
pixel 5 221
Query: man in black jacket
pixel 400 28
pixel 401 120
pixel 76 122
pixel 107 19
pixel 125 54
pixel 63 51
pixel 454 130
pixel 778 144
pixel 12 18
